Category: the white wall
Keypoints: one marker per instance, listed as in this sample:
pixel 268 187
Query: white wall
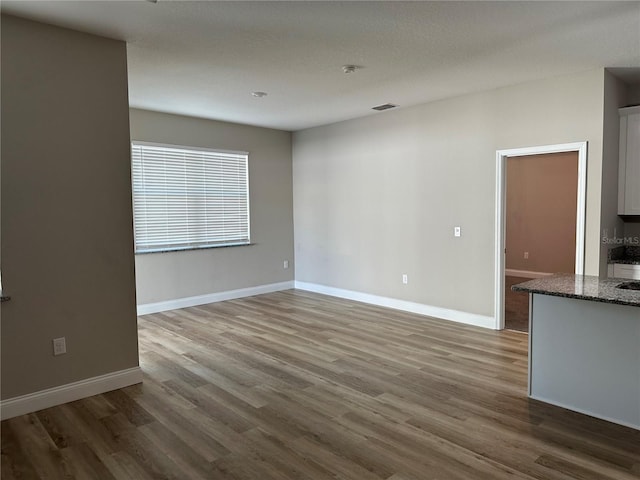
pixel 67 256
pixel 379 196
pixel 161 277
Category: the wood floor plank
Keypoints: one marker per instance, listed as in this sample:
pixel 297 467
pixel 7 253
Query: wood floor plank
pixel 15 463
pixel 39 448
pixel 84 463
pixel 132 440
pixel 60 430
pixel 294 385
pixel 184 421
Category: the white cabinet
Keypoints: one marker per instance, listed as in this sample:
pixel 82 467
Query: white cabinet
pixel 629 167
pixel 621 270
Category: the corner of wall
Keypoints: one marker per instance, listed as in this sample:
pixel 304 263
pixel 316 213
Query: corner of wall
pixel 615 95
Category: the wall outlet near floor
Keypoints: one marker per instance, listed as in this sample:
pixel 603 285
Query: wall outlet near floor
pixel 59 346
pixel 526 255
pixel 456 231
pixel 405 278
pixel 285 264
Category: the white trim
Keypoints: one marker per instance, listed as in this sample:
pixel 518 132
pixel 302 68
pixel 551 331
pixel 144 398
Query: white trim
pixel 185 302
pixel 525 273
pixel 70 392
pixel 501 162
pixel 406 306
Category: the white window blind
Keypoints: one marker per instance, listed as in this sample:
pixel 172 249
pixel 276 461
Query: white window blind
pixel 187 197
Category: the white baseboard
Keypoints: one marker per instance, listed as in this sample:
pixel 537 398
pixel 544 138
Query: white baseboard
pixel 212 298
pixel 419 308
pixel 525 273
pixel 70 392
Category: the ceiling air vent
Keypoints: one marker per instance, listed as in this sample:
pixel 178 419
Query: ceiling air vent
pixel 385 106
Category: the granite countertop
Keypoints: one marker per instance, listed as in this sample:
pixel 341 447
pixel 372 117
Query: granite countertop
pixel 582 287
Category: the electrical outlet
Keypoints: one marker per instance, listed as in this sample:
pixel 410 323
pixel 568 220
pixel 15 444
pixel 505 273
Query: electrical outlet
pixel 59 346
pixel 405 278
pixel 526 255
pixel 285 264
pixel 456 231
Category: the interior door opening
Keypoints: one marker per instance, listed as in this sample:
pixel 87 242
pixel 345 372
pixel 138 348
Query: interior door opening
pixel 540 221
pixel 540 225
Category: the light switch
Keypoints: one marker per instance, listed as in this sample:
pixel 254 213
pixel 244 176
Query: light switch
pixel 456 231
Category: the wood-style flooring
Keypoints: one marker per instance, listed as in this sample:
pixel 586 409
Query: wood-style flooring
pixel 295 385
pixel 516 306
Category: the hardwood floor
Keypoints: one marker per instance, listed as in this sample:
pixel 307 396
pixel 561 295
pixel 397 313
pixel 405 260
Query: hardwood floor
pixel 295 385
pixel 516 306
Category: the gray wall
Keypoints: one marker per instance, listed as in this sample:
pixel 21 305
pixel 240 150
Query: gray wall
pixel 67 256
pixel 169 276
pixel 633 94
pixel 632 230
pixel 616 95
pixel 632 225
pixel 379 196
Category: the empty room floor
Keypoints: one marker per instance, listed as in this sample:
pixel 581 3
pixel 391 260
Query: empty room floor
pixel 516 306
pixel 295 385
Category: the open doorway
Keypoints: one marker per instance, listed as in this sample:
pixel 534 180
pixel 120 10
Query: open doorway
pixel 540 225
pixel 540 221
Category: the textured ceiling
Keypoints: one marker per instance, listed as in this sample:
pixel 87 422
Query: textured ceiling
pixel 205 58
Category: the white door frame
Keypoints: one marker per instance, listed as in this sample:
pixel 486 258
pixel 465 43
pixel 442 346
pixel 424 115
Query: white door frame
pixel 501 164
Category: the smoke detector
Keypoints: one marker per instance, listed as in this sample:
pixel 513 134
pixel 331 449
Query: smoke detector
pixel 350 68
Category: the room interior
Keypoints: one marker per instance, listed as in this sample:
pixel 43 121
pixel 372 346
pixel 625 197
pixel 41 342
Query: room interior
pixel 540 230
pixel 222 363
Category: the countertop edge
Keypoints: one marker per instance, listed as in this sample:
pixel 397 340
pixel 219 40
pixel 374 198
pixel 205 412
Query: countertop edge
pixel 582 287
pixel 575 296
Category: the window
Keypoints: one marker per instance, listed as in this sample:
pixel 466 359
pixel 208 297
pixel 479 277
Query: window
pixel 185 197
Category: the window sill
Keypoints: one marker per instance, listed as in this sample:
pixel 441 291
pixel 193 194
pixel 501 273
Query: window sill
pixel 189 249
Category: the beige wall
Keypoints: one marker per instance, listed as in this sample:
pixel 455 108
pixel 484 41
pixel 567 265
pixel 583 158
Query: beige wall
pixel 379 196
pixel 67 236
pixel 169 276
pixel 541 212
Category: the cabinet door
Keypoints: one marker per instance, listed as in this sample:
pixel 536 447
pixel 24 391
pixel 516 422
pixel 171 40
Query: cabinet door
pixel 629 185
pixel 626 271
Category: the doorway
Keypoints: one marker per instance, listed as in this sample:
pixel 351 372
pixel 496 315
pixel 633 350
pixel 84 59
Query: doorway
pixel 540 225
pixel 540 221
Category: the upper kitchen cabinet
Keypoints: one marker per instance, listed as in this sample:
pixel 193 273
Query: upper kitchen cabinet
pixel 629 174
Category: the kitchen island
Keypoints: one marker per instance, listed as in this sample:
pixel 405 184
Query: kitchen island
pixel 584 345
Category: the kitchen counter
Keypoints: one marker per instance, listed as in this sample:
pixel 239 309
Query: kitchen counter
pixel 582 287
pixel 584 346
